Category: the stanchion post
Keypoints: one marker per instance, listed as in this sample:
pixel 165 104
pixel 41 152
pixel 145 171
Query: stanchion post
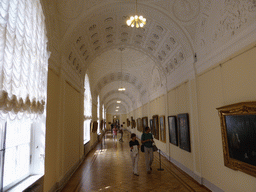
pixel 160 169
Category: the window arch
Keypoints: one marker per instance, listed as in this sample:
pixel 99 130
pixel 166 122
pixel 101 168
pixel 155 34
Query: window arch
pixel 23 90
pixel 87 109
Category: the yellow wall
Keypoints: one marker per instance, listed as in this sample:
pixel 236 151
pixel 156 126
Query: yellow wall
pixel 51 158
pixel 232 82
pixel 71 132
pixel 178 102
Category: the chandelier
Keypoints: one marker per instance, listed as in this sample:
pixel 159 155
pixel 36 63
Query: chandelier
pixel 137 21
pixel 121 88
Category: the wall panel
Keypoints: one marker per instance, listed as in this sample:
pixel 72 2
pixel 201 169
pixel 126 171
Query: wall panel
pixel 71 127
pixel 52 137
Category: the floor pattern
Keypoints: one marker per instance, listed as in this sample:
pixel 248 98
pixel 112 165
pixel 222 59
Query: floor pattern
pixel 109 168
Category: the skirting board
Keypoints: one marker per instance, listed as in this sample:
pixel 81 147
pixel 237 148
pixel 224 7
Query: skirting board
pixel 196 177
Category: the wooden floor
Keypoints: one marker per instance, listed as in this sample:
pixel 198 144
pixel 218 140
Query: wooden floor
pixel 108 168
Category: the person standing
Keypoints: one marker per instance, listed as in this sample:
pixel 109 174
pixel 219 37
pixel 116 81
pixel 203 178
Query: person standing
pixel 114 132
pixel 147 141
pixel 121 132
pixel 134 145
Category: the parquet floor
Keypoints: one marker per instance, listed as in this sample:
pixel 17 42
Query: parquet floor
pixel 108 168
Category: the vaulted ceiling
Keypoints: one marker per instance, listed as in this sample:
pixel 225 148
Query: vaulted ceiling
pixel 92 37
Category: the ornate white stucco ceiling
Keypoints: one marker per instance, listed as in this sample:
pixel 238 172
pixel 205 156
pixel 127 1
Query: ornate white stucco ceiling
pixel 92 43
pixel 92 32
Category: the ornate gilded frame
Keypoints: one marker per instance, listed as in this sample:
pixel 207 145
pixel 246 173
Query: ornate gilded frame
pixel 238 128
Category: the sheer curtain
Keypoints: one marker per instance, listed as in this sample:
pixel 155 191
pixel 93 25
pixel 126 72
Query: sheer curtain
pixel 23 81
pixel 87 109
pixel 23 58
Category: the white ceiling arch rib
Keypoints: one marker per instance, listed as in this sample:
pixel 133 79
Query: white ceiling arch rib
pixel 120 77
pixel 111 107
pixel 128 97
pixel 125 104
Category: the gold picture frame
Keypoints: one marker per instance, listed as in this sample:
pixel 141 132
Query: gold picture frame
pixel 238 128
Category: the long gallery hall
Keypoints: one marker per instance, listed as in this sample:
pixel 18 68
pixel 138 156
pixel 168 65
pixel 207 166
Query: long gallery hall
pixel 71 70
pixel 109 168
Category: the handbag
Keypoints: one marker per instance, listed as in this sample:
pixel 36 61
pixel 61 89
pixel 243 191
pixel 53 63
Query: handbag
pixel 155 148
pixel 142 148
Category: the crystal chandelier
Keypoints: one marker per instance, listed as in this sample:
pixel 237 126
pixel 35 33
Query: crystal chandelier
pixel 137 21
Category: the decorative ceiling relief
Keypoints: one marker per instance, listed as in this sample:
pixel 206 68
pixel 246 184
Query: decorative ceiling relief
pixel 74 63
pixel 101 30
pixel 186 10
pixel 175 61
pixel 233 16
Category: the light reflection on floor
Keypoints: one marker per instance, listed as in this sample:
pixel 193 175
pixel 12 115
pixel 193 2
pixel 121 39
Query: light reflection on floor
pixel 109 168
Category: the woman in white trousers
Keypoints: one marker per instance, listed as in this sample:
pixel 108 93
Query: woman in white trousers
pixel 134 146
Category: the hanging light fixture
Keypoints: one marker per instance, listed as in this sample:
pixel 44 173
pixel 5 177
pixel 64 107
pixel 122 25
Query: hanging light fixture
pixel 137 21
pixel 121 88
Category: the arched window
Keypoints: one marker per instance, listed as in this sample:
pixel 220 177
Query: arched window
pixel 23 84
pixel 98 114
pixel 87 109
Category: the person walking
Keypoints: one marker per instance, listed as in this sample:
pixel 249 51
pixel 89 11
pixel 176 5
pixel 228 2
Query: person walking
pixel 134 145
pixel 115 132
pixel 121 132
pixel 147 141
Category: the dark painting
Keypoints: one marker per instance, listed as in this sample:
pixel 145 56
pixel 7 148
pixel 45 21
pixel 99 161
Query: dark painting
pixel 172 124
pixel 238 129
pixel 241 136
pixel 183 131
pixel 155 127
pixel 151 125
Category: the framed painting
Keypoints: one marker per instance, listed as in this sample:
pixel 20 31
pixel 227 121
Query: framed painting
pixel 162 129
pixel 101 124
pixel 133 124
pixel 155 127
pixel 94 126
pixel 238 129
pixel 144 123
pixel 151 124
pixel 128 123
pixel 172 125
pixel 183 132
pixel 139 125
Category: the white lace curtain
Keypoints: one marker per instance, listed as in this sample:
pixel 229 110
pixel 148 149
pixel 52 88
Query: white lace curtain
pixel 23 58
pixel 87 99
